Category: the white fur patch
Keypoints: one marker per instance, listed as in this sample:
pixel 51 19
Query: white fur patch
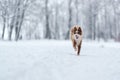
pixel 77 38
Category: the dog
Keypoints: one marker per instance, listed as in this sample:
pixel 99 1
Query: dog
pixel 76 38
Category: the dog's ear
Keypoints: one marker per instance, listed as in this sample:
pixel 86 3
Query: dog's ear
pixel 79 29
pixel 75 28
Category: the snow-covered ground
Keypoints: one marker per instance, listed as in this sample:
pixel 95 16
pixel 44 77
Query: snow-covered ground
pixel 56 60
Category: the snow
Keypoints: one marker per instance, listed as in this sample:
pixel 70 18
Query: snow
pixel 56 60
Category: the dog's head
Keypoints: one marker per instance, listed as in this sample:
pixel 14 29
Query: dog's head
pixel 76 31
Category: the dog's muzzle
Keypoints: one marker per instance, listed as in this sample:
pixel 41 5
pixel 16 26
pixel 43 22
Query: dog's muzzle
pixel 76 36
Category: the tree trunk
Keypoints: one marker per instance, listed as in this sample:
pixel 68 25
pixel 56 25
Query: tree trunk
pixel 94 27
pixel 20 24
pixel 69 19
pixel 47 28
pixel 57 35
pixel 20 18
pixel 105 16
pixel 4 26
pixel 17 19
pixel 77 12
pixel 90 22
pixel 10 31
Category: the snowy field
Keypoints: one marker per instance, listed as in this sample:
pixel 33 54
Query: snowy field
pixel 56 60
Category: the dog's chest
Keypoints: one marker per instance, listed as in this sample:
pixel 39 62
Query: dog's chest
pixel 78 40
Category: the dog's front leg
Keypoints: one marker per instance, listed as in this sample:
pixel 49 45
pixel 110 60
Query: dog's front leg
pixel 74 45
pixel 79 48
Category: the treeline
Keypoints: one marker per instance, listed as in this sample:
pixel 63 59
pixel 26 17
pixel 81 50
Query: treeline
pixel 52 19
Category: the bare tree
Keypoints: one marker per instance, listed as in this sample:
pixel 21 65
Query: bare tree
pixel 69 18
pixel 47 28
pixel 20 17
pixel 57 29
pixel 4 11
pixel 77 10
pixel 116 17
